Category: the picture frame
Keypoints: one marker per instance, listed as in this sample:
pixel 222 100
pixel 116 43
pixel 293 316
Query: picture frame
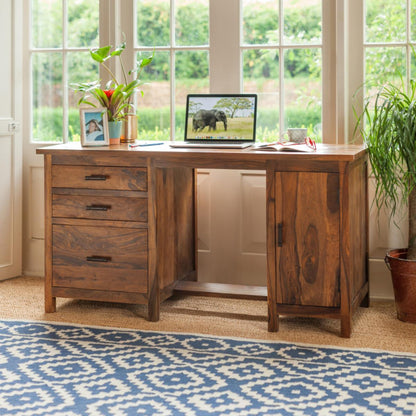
pixel 94 126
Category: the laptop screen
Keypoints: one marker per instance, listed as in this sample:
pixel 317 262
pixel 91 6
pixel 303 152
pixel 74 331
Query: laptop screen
pixel 221 117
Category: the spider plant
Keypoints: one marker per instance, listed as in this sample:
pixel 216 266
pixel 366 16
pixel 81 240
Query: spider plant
pixel 388 127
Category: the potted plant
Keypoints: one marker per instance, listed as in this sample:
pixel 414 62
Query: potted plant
pixel 388 127
pixel 116 97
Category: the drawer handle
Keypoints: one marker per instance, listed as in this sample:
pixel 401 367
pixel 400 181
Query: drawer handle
pixel 280 234
pixel 98 207
pixel 99 259
pixel 96 177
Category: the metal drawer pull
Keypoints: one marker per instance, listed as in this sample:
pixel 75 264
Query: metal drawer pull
pixel 98 207
pixel 96 177
pixel 280 234
pixel 99 259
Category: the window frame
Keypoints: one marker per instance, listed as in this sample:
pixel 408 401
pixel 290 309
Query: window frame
pixel 226 45
pixel 342 72
pixel 64 50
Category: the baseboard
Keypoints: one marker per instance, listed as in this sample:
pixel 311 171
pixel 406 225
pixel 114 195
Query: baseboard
pixel 34 273
pixel 381 286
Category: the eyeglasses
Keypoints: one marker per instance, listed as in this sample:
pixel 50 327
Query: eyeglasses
pixel 310 143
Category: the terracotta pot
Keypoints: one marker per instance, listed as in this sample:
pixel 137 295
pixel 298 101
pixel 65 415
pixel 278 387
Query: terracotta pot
pixel 403 274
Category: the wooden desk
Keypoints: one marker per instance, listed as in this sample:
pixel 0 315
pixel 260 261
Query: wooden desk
pixel 120 226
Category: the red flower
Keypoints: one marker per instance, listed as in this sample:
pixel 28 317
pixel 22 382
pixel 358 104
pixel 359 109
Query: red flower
pixel 108 93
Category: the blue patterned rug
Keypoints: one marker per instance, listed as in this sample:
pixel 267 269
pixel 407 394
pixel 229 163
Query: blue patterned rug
pixel 59 369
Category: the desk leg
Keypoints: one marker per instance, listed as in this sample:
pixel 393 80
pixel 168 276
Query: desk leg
pixel 365 303
pixel 273 318
pixel 153 300
pixel 153 308
pixel 346 324
pixel 50 302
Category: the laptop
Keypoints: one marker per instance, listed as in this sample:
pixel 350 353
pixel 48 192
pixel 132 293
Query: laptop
pixel 219 121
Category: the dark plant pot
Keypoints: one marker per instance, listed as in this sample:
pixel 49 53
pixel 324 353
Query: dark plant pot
pixel 403 274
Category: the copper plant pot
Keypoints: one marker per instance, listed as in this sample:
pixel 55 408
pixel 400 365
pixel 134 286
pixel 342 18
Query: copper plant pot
pixel 403 273
pixel 129 134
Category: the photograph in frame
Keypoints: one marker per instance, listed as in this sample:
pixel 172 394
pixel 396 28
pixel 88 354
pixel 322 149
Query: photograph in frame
pixel 94 127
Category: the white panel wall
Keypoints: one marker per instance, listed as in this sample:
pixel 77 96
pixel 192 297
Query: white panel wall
pixel 232 227
pixel 204 211
pixel 6 201
pixel 253 213
pixel 33 216
pixel 384 233
pixel 10 142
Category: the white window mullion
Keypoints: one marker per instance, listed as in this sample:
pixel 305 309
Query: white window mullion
pixel 172 69
pixel 332 51
pixel 408 41
pixel 126 11
pixel 355 43
pixel 107 30
pixel 225 71
pixel 65 71
pixel 281 73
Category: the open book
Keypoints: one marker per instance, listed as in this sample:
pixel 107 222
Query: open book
pixel 287 147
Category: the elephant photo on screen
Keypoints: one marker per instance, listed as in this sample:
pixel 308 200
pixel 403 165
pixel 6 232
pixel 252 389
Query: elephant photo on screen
pixel 203 118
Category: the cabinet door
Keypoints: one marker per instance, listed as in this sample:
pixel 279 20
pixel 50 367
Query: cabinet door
pixel 307 238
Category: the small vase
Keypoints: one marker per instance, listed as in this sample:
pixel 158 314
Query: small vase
pixel 114 131
pixel 129 131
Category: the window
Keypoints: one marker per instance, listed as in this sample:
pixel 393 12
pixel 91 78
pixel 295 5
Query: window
pixel 180 39
pixel 389 38
pixel 281 49
pixel 282 62
pixel 62 32
pixel 282 65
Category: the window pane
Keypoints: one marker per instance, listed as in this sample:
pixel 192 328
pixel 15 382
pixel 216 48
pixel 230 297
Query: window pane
pixel 260 22
pixel 46 23
pixel 191 76
pixel 83 19
pixel 385 21
pixel 264 81
pixel 413 66
pixel 47 97
pixel 383 64
pixel 413 20
pixel 153 25
pixel 153 107
pixel 81 68
pixel 302 21
pixel 191 27
pixel 303 90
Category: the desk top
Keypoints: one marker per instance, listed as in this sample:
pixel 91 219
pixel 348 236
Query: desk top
pixel 164 156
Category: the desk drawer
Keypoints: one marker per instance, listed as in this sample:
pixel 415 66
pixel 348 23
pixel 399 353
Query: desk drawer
pixel 99 177
pixel 99 207
pixel 99 258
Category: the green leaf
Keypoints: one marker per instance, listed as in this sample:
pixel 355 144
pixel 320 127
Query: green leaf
pixel 119 49
pixel 100 54
pixel 145 61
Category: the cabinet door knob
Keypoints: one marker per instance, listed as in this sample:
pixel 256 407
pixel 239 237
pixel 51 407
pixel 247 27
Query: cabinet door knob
pixel 98 207
pixel 96 177
pixel 99 259
pixel 280 234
